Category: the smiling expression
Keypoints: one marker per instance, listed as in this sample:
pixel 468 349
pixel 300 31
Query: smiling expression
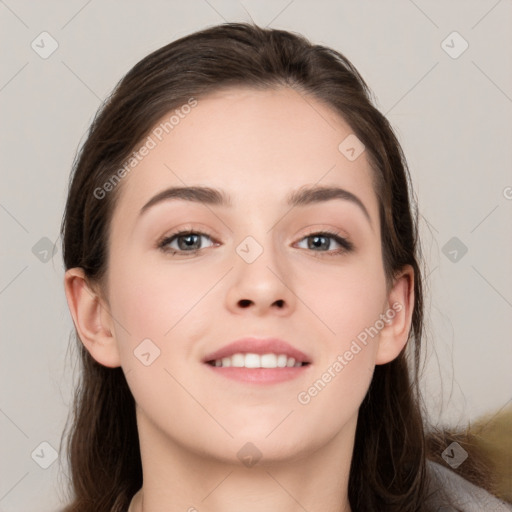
pixel 246 221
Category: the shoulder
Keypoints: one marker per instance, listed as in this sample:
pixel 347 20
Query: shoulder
pixel 449 492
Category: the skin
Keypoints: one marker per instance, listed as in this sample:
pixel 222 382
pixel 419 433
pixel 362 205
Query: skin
pixel 257 146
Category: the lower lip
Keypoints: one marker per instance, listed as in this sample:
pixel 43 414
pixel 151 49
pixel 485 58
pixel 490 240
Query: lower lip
pixel 260 375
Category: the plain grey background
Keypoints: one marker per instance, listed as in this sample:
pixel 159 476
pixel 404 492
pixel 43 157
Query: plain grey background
pixel 450 105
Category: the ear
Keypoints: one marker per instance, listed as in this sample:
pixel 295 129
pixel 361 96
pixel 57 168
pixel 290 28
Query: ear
pixel 400 306
pixel 92 319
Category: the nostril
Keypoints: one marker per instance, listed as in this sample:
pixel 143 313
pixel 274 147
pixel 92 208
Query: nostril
pixel 244 303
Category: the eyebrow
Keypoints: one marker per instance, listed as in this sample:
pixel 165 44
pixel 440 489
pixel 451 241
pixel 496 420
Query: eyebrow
pixel 216 197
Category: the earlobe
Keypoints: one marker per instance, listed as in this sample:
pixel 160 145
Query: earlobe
pixel 91 318
pixel 394 336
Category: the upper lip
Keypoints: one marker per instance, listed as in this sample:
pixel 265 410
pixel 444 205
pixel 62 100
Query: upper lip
pixel 258 346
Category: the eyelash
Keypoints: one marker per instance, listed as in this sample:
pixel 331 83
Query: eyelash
pixel 346 245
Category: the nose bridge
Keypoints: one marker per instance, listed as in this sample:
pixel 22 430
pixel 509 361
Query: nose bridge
pixel 260 278
pixel 258 245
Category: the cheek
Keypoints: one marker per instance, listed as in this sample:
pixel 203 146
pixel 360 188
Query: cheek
pixel 155 299
pixel 349 307
pixel 343 300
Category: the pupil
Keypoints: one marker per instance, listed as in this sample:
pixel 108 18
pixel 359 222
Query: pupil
pixel 189 240
pixel 317 242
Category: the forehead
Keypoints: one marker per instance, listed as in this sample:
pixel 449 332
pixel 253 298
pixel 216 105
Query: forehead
pixel 251 143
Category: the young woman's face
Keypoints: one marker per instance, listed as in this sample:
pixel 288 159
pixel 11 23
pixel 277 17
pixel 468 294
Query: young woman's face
pixel 256 266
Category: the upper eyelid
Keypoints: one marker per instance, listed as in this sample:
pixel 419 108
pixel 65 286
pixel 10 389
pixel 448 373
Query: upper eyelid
pixel 326 231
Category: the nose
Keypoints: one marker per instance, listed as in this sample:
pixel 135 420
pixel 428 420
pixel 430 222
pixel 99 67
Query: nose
pixel 261 286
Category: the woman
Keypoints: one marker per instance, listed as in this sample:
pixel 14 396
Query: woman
pixel 243 275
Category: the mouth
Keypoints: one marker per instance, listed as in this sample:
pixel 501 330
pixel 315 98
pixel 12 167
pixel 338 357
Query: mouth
pixel 251 360
pixel 256 361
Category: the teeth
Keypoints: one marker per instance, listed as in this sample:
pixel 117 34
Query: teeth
pixel 281 361
pixel 257 361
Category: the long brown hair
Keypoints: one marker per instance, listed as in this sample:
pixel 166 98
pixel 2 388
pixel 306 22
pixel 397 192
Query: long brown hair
pixel 388 471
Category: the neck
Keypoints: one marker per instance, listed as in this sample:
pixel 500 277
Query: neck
pixel 178 479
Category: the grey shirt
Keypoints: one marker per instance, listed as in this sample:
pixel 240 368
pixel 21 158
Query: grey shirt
pixel 449 492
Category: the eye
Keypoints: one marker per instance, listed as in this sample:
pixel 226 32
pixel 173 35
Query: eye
pixel 184 242
pixel 190 242
pixel 323 242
